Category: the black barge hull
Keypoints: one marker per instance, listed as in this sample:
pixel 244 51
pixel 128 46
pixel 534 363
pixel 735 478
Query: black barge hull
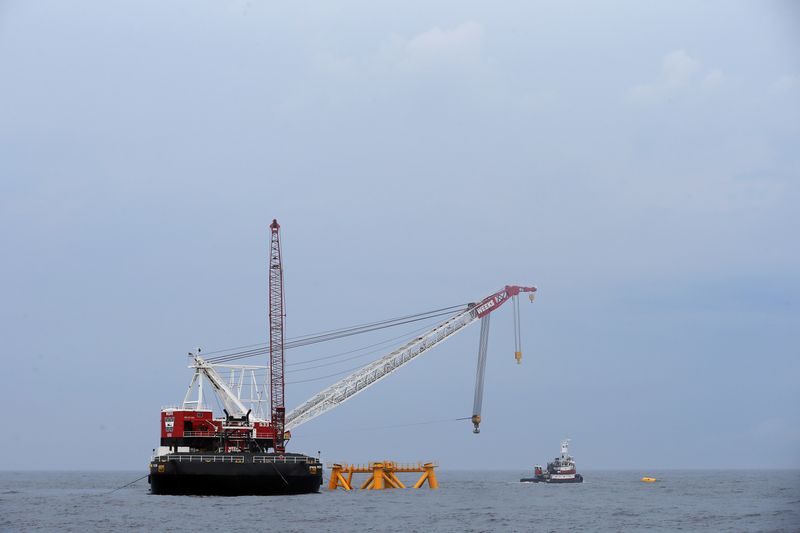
pixel 577 479
pixel 234 474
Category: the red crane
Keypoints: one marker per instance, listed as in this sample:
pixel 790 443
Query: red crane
pixel 364 377
pixel 276 316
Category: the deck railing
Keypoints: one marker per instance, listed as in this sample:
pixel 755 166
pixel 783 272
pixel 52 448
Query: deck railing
pixel 220 458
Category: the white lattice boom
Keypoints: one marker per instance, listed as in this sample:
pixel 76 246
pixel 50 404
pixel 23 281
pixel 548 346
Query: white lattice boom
pixel 370 374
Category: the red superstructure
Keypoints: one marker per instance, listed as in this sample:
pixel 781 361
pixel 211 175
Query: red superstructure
pixel 254 424
pixel 198 430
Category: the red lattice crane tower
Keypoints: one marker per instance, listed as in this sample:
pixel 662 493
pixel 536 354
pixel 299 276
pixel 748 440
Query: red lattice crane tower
pixel 276 316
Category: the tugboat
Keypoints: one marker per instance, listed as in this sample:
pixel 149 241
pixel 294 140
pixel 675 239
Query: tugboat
pixel 561 470
pixel 230 455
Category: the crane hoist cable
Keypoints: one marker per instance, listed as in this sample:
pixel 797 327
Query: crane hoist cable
pixel 480 373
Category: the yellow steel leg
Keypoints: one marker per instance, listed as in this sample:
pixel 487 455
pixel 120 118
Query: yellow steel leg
pixel 388 476
pixel 343 482
pixel 429 475
pixel 377 476
pixel 395 480
pixel 432 481
pixel 334 481
pixel 337 479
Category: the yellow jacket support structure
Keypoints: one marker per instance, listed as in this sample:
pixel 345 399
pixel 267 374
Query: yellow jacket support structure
pixel 337 479
pixel 383 475
pixel 429 475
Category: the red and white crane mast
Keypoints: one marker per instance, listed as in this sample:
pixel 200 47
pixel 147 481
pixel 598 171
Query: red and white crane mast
pixel 276 317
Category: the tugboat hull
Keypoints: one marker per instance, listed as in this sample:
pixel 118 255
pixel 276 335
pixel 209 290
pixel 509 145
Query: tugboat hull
pixel 577 479
pixel 234 475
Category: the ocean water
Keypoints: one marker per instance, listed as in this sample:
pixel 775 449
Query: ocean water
pixel 467 501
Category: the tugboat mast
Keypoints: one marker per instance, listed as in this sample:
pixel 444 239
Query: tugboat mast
pixel 565 450
pixel 276 316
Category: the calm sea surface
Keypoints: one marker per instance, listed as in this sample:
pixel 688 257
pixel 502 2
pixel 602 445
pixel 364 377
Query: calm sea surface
pixel 466 501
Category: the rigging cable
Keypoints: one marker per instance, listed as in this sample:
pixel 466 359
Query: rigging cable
pixel 328 376
pixel 335 334
pixel 406 336
pixel 338 334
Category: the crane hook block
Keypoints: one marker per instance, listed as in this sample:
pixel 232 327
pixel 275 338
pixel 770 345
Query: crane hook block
pixel 476 421
pixel 518 357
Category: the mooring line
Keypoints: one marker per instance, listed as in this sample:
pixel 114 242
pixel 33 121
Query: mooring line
pixel 279 473
pixel 129 484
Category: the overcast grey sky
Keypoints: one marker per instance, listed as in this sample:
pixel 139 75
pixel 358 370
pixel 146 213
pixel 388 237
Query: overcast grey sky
pixel 637 161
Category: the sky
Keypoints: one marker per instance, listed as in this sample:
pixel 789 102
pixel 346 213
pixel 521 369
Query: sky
pixel 638 163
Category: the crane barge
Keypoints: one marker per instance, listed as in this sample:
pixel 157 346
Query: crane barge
pixel 244 451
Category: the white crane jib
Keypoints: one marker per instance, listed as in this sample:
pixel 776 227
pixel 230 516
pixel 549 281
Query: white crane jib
pixel 370 374
pixel 233 405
